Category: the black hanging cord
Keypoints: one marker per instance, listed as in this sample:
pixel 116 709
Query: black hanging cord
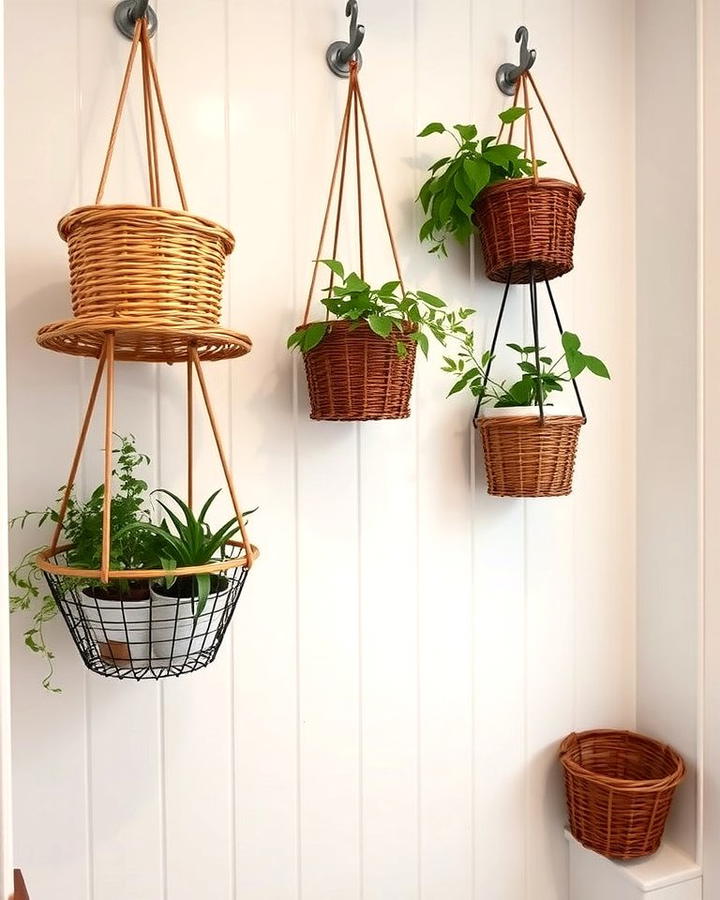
pixel 536 339
pixel 494 343
pixel 560 328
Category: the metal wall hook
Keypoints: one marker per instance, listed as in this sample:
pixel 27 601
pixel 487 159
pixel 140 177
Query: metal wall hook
pixel 508 73
pixel 127 12
pixel 339 53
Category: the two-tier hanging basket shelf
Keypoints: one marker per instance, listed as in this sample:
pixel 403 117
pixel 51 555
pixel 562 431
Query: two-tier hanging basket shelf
pixel 528 222
pixel 146 284
pixel 354 374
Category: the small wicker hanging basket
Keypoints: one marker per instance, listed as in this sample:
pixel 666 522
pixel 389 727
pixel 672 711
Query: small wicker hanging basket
pixel 528 457
pixel 354 375
pixel 619 788
pixel 528 224
pixel 151 274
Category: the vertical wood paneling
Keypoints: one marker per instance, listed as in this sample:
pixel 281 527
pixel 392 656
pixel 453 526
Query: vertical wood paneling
pixel 197 734
pixel 549 548
pixel 382 720
pixel 444 509
pixel 498 531
pixel 388 495
pixel 123 725
pixel 262 181
pixel 48 731
pixel 327 515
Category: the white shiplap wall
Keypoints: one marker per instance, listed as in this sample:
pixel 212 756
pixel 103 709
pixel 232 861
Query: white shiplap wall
pixel 382 721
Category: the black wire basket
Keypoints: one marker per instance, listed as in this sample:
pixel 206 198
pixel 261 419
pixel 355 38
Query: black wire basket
pixel 144 628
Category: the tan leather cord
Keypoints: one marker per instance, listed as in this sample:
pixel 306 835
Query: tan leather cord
pixel 355 108
pixel 119 112
pixel 512 124
pixel 553 129
pixel 107 494
pixel 528 123
pixel 221 453
pixel 70 483
pixel 150 83
pixel 328 205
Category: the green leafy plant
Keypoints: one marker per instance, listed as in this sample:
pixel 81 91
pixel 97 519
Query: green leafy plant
pixel 472 373
pixel 455 181
pixel 187 540
pixel 82 527
pixel 387 313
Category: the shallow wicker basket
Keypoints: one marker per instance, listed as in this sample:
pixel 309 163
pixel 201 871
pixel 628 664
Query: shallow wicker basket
pixel 133 262
pixel 525 457
pixel 527 224
pixel 354 375
pixel 619 789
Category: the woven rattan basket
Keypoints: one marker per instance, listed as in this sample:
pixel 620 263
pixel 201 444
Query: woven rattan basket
pixel 526 457
pixel 527 225
pixel 526 222
pixel 619 789
pixel 355 375
pixel 151 274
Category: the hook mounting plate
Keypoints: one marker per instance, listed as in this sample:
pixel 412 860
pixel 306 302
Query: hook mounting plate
pixel 335 61
pixel 127 12
pixel 507 74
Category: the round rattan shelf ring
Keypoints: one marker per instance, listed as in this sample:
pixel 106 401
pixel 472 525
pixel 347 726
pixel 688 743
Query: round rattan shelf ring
pixel 45 563
pixel 147 339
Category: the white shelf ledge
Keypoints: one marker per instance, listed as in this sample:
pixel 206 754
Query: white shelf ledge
pixel 667 868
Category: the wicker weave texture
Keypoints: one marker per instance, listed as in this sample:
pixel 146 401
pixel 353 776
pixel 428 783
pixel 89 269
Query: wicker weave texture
pixel 354 375
pixel 619 788
pixel 526 224
pixel 133 261
pixel 524 458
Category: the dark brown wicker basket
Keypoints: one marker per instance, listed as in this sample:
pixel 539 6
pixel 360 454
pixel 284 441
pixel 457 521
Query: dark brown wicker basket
pixel 524 222
pixel 354 375
pixel 619 789
pixel 527 458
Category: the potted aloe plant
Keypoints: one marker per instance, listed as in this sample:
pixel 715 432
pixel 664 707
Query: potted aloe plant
pixel 187 610
pixel 529 441
pixel 360 365
pixel 526 223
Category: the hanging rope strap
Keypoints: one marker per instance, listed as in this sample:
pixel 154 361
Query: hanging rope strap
pixel 151 94
pixel 522 85
pixel 355 113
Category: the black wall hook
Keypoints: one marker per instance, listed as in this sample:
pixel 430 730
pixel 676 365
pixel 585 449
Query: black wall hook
pixel 339 53
pixel 127 12
pixel 508 73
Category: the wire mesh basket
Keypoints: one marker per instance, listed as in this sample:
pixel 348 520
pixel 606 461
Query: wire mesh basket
pixel 143 628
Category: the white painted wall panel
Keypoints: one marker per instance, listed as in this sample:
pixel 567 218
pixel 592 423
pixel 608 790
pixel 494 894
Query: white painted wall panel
pixel 383 719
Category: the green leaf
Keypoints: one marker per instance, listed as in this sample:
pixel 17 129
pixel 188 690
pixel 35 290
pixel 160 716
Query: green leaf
pixel 422 341
pixel 466 132
pixel 596 366
pixel 431 300
pixel 570 341
pixel 575 362
pixel 512 114
pixel 355 284
pixel 381 325
pixel 401 349
pixel 312 335
pixel 335 266
pixel 389 287
pixel 478 172
pixel 432 128
pixel 515 347
pixel 439 164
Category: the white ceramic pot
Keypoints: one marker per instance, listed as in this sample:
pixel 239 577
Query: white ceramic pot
pixel 121 628
pixel 177 633
pixel 504 412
